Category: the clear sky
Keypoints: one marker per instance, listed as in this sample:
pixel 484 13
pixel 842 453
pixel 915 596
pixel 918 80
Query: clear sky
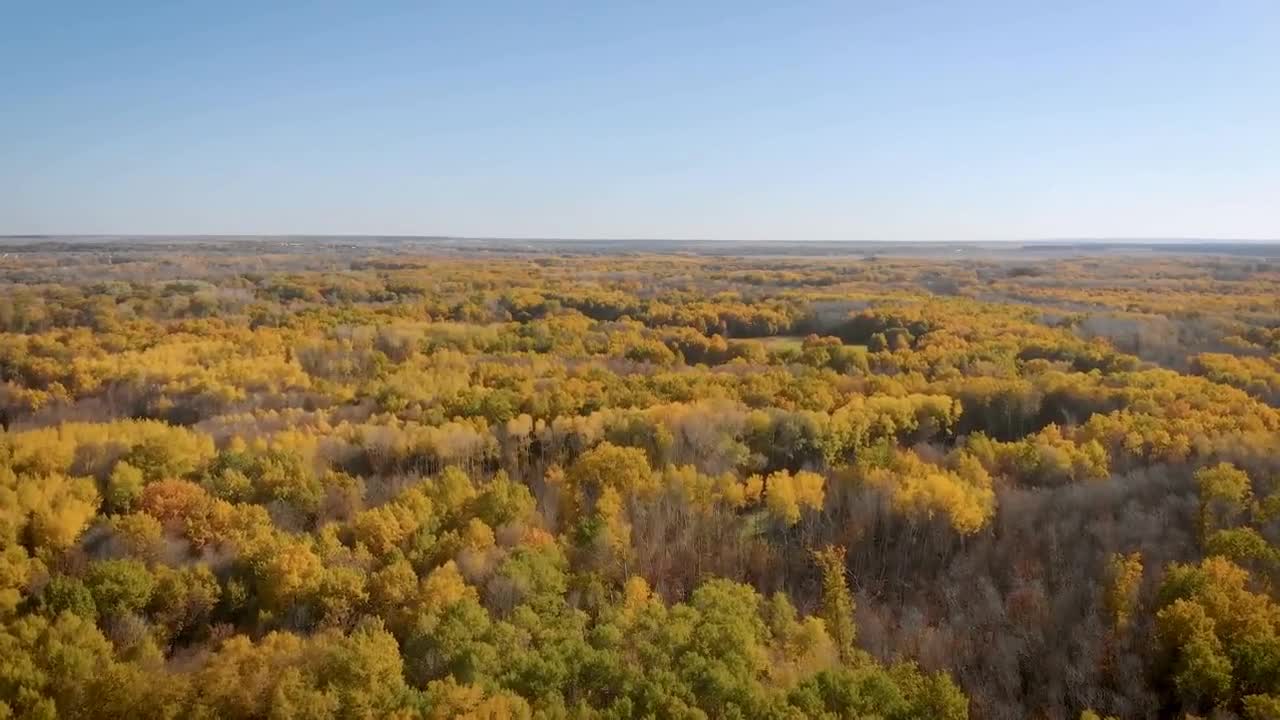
pixel 693 119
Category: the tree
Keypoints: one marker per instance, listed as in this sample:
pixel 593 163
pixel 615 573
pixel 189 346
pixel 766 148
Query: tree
pixel 68 594
pixel 1124 578
pixel 1220 640
pixel 120 586
pixel 1223 491
pixel 124 487
pixel 786 494
pixel 837 601
pixel 184 600
pixel 606 466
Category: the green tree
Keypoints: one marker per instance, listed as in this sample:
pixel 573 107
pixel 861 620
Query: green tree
pixel 1124 579
pixel 68 594
pixel 837 601
pixel 120 586
pixel 124 487
pixel 1224 489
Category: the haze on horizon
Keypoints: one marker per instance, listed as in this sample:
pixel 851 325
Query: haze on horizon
pixel 841 121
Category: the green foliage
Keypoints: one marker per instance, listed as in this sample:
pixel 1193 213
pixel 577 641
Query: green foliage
pixel 902 692
pixel 64 667
pixel 68 594
pixel 1124 581
pixel 120 586
pixel 1220 638
pixel 837 601
pixel 124 487
pixel 1224 489
pixel 184 600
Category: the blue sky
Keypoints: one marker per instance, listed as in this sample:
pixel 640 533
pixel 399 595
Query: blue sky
pixel 736 120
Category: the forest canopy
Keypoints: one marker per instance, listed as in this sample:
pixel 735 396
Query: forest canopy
pixel 252 483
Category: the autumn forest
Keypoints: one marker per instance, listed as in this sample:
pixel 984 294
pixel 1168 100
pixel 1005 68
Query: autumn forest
pixel 257 479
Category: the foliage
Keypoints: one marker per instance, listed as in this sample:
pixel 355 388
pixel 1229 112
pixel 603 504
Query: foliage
pixel 395 483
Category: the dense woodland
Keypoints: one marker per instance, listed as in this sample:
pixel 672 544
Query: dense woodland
pixel 272 483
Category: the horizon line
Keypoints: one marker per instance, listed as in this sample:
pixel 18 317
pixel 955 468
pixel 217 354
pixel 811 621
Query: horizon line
pixel 534 239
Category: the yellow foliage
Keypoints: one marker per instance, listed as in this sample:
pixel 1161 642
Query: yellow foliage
pixel 786 494
pixel 52 509
pixel 470 702
pixel 443 587
pixel 963 495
